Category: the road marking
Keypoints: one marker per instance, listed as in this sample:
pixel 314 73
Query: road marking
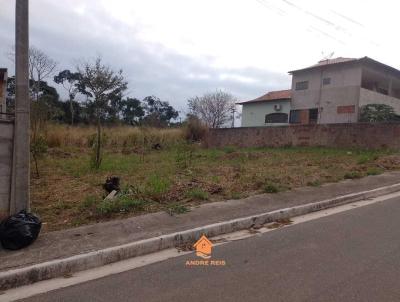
pixel 140 261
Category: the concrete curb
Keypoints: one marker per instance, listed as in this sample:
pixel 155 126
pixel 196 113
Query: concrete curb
pixel 60 267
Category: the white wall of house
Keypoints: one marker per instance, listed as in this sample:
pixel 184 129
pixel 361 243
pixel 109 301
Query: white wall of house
pixel 343 90
pixel 253 114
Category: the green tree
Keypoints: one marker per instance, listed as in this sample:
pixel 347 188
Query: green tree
pixel 132 111
pixel 100 84
pixel 69 80
pixel 158 113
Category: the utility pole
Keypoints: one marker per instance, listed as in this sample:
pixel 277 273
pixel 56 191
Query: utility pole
pixel 233 110
pixel 21 153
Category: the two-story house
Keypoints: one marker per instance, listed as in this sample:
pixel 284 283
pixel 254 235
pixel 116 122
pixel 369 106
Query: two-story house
pixel 334 90
pixel 331 91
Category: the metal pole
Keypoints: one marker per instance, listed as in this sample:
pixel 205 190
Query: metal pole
pixel 21 155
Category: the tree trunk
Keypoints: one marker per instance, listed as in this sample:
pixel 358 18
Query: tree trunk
pixel 71 107
pixel 98 146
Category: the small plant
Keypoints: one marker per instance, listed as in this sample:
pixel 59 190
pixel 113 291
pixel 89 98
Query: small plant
pixel 38 149
pixel 176 208
pixel 236 195
pixel 374 171
pixel 96 142
pixel 352 175
pixel 197 194
pixel 89 202
pixel 314 183
pixel 271 188
pixel 157 186
pixel 121 204
pixel 184 154
pixel 229 149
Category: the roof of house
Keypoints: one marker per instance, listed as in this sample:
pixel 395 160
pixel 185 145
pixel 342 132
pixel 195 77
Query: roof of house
pixel 341 60
pixel 271 97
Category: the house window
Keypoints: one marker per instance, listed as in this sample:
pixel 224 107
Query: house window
pixel 313 116
pixel 302 85
pixel 346 109
pixel 295 117
pixel 326 81
pixel 276 118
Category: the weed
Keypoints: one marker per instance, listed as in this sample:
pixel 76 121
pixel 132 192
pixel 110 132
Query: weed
pixel 352 175
pixel 197 194
pixel 89 202
pixel 157 186
pixel 176 208
pixel 271 188
pixel 374 171
pixel 229 149
pixel 121 204
pixel 236 195
pixel 314 183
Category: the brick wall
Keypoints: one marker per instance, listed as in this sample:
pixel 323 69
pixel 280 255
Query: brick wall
pixel 6 146
pixel 360 135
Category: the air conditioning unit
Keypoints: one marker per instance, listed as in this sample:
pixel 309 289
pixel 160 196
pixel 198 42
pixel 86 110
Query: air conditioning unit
pixel 278 107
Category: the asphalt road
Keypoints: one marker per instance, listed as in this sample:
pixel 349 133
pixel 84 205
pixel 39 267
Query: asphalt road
pixel 350 256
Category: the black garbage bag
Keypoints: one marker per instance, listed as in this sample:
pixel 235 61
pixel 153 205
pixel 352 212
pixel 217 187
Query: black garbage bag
pixel 112 183
pixel 19 230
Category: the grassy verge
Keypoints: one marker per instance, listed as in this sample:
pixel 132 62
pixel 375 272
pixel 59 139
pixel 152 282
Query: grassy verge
pixel 69 192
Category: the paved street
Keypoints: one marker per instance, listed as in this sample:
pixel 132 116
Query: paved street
pixel 351 256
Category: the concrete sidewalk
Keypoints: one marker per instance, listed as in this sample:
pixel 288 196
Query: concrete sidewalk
pixel 62 244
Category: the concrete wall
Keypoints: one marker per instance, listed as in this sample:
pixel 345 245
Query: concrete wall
pixel 253 114
pixel 6 147
pixel 359 135
pixel 343 90
pixel 372 97
pixel 3 90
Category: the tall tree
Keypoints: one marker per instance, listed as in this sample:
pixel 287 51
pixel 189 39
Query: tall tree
pixel 69 80
pixel 132 110
pixel 100 83
pixel 158 113
pixel 215 108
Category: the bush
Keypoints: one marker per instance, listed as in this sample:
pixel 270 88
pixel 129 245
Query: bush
pixel 195 129
pixel 271 188
pixel 352 175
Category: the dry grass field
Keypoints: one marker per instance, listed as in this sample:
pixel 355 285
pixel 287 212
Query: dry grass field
pixel 69 192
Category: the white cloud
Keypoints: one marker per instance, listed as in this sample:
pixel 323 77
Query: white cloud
pixel 177 48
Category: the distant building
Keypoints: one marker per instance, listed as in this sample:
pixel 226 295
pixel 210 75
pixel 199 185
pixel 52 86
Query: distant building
pixel 3 89
pixel 271 109
pixel 332 91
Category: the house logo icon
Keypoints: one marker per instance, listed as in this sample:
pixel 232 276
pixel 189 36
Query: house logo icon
pixel 203 247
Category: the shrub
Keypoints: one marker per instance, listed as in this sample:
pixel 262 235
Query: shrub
pixel 352 175
pixel 195 129
pixel 271 188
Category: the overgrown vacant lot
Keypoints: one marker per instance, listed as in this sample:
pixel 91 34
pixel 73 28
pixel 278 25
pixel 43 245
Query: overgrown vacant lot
pixel 69 192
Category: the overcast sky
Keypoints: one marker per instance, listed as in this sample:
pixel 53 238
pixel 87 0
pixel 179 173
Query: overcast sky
pixel 176 49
